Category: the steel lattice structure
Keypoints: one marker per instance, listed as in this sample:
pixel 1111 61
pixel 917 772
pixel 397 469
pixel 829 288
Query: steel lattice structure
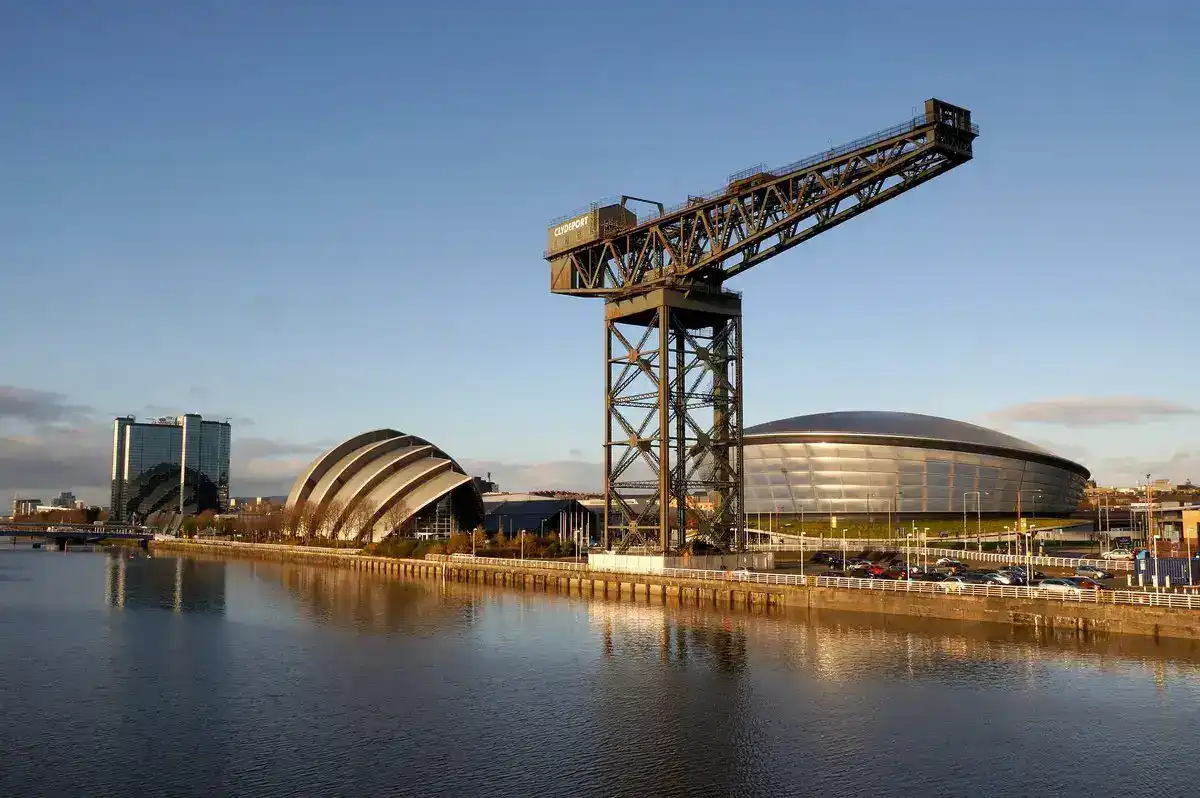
pixel 664 276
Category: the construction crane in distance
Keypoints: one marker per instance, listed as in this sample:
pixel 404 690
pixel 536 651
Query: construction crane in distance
pixel 673 348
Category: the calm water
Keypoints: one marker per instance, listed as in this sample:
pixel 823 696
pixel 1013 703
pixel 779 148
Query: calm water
pixel 199 677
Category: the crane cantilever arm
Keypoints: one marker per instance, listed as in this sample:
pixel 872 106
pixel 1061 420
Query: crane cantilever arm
pixel 762 213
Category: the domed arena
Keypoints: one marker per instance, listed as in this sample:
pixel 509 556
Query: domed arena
pixel 381 483
pixel 862 462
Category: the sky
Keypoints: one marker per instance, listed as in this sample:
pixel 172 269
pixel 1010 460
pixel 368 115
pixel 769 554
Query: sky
pixel 318 218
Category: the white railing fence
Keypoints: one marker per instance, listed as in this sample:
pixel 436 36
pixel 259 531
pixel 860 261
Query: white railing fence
pixel 1176 600
pixel 853 546
pixel 509 562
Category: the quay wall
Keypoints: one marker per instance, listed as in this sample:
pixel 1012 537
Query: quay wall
pixel 1044 613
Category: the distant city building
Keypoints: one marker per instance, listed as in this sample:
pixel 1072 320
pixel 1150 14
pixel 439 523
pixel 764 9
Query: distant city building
pixel 25 506
pixel 244 503
pixel 486 485
pixel 175 465
pixel 66 500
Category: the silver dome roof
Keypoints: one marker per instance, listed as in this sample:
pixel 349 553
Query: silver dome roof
pixel 891 424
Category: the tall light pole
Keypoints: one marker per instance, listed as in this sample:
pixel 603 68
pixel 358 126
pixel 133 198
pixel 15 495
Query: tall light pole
pixel 1035 493
pixel 978 516
pixel 1150 516
pixel 1157 581
pixel 964 506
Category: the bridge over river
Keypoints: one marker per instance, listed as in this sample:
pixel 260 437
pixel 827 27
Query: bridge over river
pixel 65 534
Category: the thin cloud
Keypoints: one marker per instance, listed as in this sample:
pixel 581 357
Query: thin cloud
pixel 56 445
pixel 1128 471
pixel 1091 411
pixel 577 475
pixel 37 407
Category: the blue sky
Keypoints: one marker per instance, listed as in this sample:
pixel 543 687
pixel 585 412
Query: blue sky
pixel 319 218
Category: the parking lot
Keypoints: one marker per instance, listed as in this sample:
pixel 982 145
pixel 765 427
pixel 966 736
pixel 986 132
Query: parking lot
pixel 891 564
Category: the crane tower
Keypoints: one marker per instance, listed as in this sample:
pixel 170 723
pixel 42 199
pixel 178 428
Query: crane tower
pixel 673 343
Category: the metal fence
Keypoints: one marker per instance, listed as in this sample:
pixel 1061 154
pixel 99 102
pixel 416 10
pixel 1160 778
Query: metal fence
pixel 1081 596
pixel 837 544
pixel 554 565
pixel 234 544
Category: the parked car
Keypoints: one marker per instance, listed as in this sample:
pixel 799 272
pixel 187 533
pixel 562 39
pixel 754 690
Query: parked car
pixel 1021 570
pixel 825 557
pixel 741 572
pixel 1006 578
pixel 933 576
pixel 949 562
pixel 1055 585
pixel 1084 582
pixel 1093 572
pixel 857 563
pixel 956 581
pixel 1117 554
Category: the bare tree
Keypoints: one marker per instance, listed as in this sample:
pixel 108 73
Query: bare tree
pixel 357 525
pixel 330 517
pixel 395 516
pixel 298 519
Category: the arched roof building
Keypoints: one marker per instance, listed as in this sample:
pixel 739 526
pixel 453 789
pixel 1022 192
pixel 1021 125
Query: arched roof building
pixel 867 461
pixel 384 481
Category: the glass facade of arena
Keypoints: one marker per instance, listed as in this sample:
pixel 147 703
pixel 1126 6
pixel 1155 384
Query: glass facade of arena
pixel 791 477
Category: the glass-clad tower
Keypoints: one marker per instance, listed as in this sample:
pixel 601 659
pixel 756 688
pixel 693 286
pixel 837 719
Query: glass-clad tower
pixel 178 465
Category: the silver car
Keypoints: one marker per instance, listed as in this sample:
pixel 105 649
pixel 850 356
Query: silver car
pixel 1093 572
pixel 1055 585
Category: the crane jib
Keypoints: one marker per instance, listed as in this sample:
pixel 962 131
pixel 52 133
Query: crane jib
pixel 607 249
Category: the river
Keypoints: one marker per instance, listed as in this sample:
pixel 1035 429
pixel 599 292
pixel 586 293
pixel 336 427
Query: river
pixel 128 675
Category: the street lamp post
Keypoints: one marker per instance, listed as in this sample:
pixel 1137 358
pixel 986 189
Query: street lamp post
pixel 1017 529
pixel 889 534
pixel 978 517
pixel 1029 557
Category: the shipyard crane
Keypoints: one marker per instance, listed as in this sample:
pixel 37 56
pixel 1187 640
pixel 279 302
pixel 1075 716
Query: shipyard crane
pixel 673 343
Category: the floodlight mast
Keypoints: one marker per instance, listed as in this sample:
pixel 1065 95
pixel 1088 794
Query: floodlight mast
pixel 673 349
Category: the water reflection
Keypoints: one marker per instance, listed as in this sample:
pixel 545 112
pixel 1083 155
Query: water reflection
pixel 180 584
pixel 364 601
pixel 321 681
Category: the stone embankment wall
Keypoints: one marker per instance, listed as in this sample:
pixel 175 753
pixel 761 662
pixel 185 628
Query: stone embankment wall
pixel 1038 613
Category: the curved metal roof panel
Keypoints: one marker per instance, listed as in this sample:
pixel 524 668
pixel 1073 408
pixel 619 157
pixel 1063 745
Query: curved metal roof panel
pixel 893 424
pixel 378 470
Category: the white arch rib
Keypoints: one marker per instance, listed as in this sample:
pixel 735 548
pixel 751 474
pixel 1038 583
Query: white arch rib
pixel 421 497
pixel 304 484
pixel 353 465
